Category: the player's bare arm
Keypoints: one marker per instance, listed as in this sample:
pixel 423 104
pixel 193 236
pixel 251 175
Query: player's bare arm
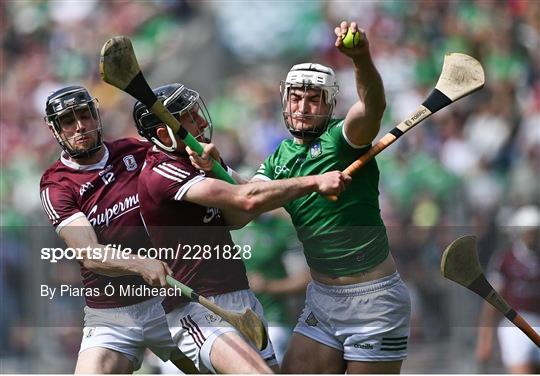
pixel 486 333
pixel 487 323
pixel 363 119
pixel 80 234
pixel 243 203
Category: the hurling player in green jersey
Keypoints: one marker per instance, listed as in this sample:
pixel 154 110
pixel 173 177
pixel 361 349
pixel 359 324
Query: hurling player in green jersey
pixel 357 311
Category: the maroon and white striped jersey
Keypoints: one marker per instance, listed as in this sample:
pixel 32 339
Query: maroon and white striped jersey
pixel 518 269
pixel 106 194
pixel 188 229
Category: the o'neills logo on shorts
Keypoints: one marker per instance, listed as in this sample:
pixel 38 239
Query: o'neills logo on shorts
pixel 365 346
pixel 211 318
pixel 311 320
pixel 110 214
pixel 88 331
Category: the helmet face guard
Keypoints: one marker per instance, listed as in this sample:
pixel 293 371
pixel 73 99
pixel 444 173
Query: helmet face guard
pixel 179 100
pixel 73 103
pixel 303 79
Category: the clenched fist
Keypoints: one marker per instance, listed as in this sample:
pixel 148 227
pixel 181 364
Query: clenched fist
pixel 204 161
pixel 358 49
pixel 332 183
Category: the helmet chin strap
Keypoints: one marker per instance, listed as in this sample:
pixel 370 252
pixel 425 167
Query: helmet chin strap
pixel 170 149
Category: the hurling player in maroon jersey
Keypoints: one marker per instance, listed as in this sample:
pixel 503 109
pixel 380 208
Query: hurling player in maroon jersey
pixel 186 211
pixel 90 197
pixel 515 272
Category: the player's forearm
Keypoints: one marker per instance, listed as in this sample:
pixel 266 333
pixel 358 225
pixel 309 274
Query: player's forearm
pixel 96 257
pixel 260 197
pixel 369 86
pixel 108 261
pixel 486 326
pixel 253 199
pixel 488 316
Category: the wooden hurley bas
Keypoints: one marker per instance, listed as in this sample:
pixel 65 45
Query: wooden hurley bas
pixel 118 67
pixel 460 264
pixel 247 323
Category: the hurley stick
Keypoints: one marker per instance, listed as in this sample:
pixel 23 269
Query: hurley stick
pixel 119 67
pixel 461 75
pixel 247 323
pixel 460 264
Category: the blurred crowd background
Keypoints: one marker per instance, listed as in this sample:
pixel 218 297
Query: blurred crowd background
pixel 464 170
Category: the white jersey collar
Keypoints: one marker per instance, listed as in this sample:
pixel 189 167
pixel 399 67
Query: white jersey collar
pixel 64 158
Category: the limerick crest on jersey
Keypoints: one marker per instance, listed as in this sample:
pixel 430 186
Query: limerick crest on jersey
pixel 315 150
pixel 129 161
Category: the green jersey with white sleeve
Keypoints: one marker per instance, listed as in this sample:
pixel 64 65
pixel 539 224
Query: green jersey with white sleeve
pixel 339 238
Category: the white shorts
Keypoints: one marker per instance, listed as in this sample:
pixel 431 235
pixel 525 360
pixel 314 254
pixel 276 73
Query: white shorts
pixel 369 321
pixel 280 336
pixel 194 328
pixel 129 330
pixel 516 347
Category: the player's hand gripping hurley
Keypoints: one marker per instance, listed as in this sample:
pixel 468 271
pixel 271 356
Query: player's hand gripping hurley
pixel 461 75
pixel 460 264
pixel 247 323
pixel 119 67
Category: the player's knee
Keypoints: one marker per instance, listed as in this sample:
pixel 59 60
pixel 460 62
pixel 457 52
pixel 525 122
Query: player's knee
pixel 230 346
pixel 102 361
pixel 292 363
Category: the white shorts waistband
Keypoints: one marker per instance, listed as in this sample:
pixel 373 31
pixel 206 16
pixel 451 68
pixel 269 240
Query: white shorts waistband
pixel 132 307
pixel 357 289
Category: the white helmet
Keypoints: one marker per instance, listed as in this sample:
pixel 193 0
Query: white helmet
pixel 309 76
